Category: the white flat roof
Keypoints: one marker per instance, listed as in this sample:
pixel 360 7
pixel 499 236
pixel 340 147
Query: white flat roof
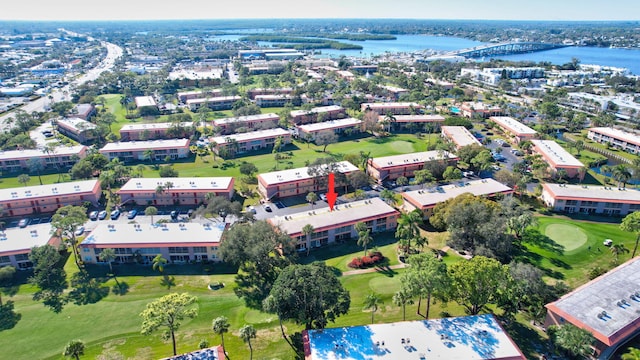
pixel 513 125
pixel 285 176
pixel 252 135
pixel 142 101
pixel 391 105
pixel 154 235
pixel 213 99
pixel 179 184
pixel 143 145
pixel 152 126
pixel 22 240
pixel 248 118
pixel 37 191
pixel 39 153
pixel 556 153
pixel 198 92
pixel 320 109
pixel 76 124
pixel 407 159
pixel 321 218
pixel 331 124
pixel 478 337
pixel 393 88
pixel 460 136
pixel 594 193
pixel 618 134
pixel 603 294
pixel 431 197
pixel 414 118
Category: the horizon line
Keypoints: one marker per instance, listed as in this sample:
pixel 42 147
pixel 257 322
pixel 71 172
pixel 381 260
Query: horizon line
pixel 323 18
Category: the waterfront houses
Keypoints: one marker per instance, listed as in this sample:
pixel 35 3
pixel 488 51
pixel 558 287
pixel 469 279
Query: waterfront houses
pixel 558 159
pixel 620 139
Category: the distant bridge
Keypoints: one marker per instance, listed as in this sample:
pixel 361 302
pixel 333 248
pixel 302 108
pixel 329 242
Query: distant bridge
pixel 508 48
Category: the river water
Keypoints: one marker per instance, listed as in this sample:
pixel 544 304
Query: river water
pixel 625 58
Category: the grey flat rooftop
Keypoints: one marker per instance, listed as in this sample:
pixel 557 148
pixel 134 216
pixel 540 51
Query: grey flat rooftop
pixel 513 125
pixel 179 184
pixel 431 197
pixel 594 193
pixel 408 159
pixel 154 235
pixel 144 145
pixel 249 118
pixel 213 99
pixel 39 191
pixel 315 110
pixel 618 134
pixel 603 294
pixel 478 337
pixel 39 153
pixel 76 124
pixel 16 240
pixel 460 135
pixel 152 126
pixel 321 218
pixel 252 135
pixel 285 176
pixel 556 153
pixel 331 124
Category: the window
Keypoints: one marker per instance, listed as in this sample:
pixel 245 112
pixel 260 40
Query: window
pixel 179 250
pixel 4 259
pixel 21 257
pixel 199 249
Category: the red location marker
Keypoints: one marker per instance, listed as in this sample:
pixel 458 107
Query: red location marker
pixel 331 193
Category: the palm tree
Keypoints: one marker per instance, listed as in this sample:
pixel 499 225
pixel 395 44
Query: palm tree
pixel 631 223
pixel 24 179
pixel 150 211
pixel 307 231
pixel 616 250
pixel 389 119
pixel 312 198
pixel 364 239
pixel 74 349
pixel 108 255
pixel 247 333
pixel 147 155
pixel 388 196
pixel 621 174
pixel 403 298
pixel 409 227
pixel 220 325
pixel 159 262
pixel 372 302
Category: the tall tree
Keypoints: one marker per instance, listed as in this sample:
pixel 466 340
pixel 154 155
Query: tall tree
pixel 426 277
pixel 247 333
pixel 422 177
pixel 403 298
pixel 159 262
pixel 74 349
pixel 364 235
pixel 573 340
pixel 151 211
pixel 307 231
pixel 373 302
pixel 631 223
pixel 24 179
pixel 616 250
pixel 49 276
pixel 409 229
pixel 477 282
pixel 168 312
pixel 220 326
pixel 65 222
pixel 260 252
pixel 307 294
pixel 312 198
pixel 325 138
pixel 35 165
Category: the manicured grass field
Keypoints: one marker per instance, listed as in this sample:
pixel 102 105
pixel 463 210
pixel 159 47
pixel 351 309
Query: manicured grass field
pixel 568 236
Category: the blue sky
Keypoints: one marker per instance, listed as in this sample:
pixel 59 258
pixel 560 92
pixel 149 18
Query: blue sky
pixel 415 9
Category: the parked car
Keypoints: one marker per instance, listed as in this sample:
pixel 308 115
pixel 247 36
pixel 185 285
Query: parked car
pixel 93 216
pixel 174 215
pixel 267 208
pixel 23 223
pixel 102 215
pixel 323 197
pixel 115 214
pixel 132 214
pixel 79 231
pixel 377 187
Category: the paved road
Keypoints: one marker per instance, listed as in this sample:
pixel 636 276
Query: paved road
pixel 113 53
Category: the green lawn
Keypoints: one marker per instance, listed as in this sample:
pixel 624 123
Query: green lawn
pixel 569 261
pixel 112 325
